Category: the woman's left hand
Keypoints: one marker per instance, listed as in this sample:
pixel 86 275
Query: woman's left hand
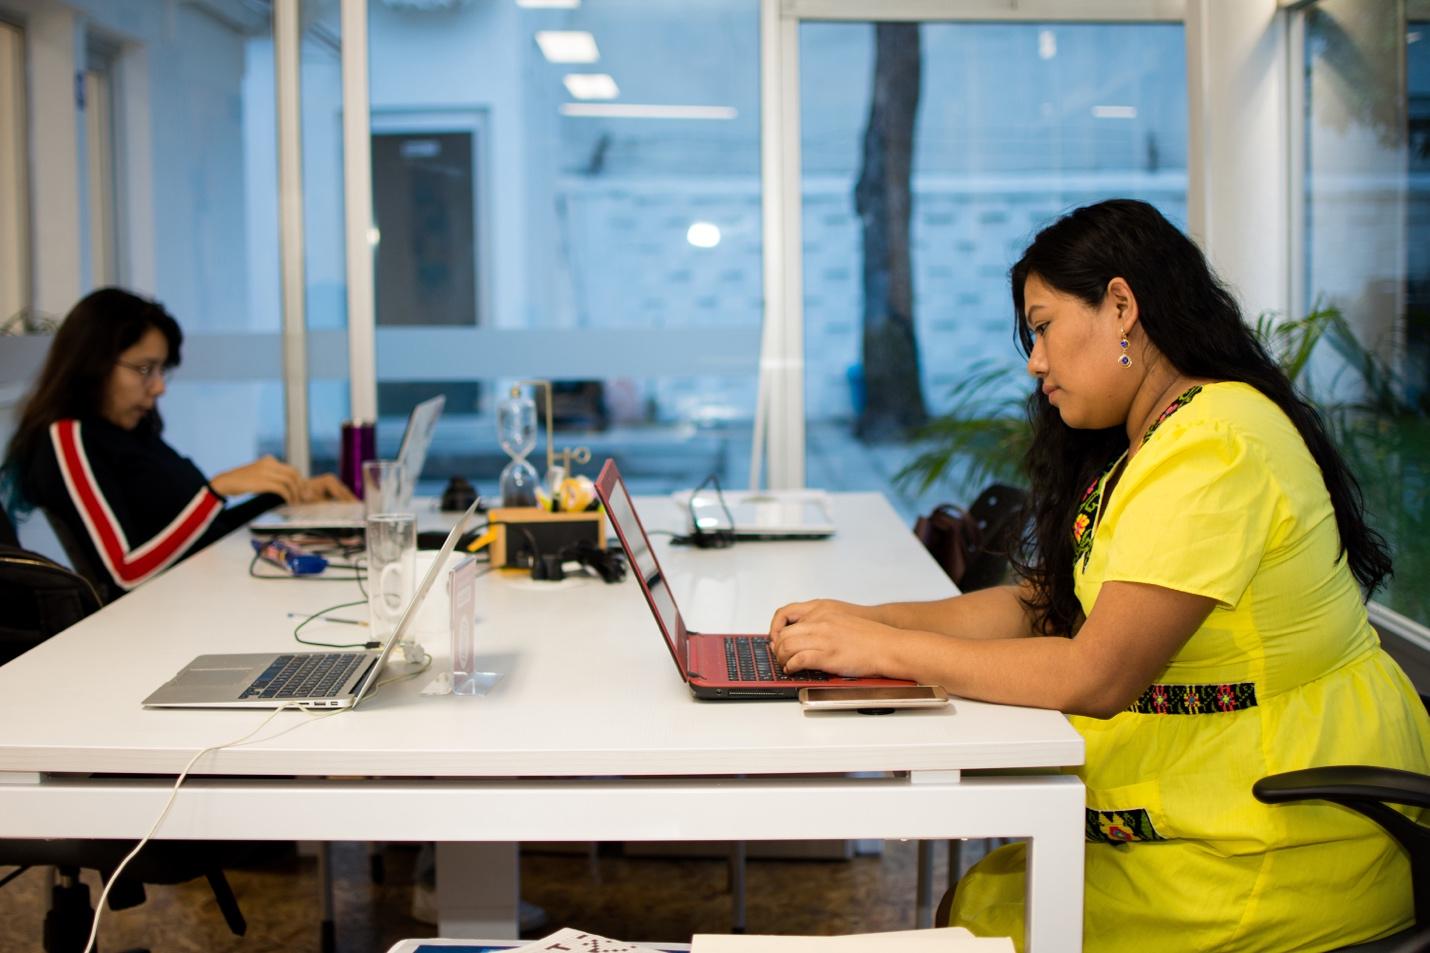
pixel 829 638
pixel 324 487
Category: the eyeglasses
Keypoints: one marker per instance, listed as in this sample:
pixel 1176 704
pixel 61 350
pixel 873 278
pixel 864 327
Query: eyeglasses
pixel 149 370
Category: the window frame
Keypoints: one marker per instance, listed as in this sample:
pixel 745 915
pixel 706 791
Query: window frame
pixel 15 194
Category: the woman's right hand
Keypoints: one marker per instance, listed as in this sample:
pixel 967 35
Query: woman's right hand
pixel 818 608
pixel 266 475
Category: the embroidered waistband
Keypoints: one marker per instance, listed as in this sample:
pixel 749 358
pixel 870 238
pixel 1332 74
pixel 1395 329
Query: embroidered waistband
pixel 1120 827
pixel 1195 699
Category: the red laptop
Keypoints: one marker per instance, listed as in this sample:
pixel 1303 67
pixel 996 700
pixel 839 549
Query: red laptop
pixel 720 667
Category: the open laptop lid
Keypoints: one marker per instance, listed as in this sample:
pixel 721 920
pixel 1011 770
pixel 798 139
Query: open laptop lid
pixel 417 440
pixel 414 604
pixel 759 514
pixel 347 517
pixel 627 524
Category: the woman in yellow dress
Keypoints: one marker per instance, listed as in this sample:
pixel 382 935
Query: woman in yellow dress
pixel 1194 600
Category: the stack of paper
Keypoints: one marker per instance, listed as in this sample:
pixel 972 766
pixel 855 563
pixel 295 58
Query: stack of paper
pixel 577 941
pixel 943 940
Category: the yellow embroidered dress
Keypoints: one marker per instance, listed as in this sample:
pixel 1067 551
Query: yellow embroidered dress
pixel 1224 500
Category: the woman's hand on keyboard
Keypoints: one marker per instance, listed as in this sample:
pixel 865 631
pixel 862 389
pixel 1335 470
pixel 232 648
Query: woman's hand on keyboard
pixel 831 636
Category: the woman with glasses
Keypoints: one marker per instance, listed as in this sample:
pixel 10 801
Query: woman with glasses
pixel 88 450
pixel 1193 598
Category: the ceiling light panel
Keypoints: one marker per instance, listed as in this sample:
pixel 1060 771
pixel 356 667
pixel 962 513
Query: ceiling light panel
pixel 567 46
pixel 591 86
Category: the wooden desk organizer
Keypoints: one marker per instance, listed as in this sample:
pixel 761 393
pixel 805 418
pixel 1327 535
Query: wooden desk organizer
pixel 519 527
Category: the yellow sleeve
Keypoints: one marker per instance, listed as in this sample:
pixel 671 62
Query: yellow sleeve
pixel 1197 516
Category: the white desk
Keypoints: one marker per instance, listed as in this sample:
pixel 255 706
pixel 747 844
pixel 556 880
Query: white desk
pixel 591 735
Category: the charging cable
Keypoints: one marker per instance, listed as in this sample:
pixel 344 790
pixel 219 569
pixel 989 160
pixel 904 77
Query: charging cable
pixel 164 812
pixel 718 538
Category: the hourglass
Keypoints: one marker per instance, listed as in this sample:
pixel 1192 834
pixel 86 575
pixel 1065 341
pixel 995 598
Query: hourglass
pixel 516 429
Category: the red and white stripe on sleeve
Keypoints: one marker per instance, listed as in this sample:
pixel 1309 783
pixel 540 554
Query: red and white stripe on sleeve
pixel 129 566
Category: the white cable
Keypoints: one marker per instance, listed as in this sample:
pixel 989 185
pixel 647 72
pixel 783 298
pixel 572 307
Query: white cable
pixel 104 896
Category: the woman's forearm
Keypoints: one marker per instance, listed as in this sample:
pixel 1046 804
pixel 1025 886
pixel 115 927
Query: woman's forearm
pixel 1035 672
pixel 996 613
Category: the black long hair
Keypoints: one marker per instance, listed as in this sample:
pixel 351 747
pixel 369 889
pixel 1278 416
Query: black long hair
pixel 1194 322
pixel 104 324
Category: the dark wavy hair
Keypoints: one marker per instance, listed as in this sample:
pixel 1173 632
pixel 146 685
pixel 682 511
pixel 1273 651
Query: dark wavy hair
pixel 1194 322
pixel 104 324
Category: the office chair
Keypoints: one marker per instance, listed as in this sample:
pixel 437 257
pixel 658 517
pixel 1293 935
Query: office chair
pixel 8 535
pixel 1369 791
pixel 80 559
pixel 42 598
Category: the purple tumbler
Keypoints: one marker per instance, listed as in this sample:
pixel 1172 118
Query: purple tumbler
pixel 359 444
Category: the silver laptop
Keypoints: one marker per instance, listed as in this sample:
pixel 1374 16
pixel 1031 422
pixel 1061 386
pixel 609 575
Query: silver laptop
pixel 294 679
pixel 330 516
pixel 754 514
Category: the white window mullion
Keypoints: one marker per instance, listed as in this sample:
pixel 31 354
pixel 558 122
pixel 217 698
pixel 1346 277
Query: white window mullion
pixel 357 201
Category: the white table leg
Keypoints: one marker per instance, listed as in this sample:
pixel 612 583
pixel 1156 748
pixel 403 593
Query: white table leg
pixel 477 890
pixel 1055 874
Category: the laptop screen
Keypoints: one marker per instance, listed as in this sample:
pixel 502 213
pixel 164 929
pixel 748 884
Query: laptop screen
pixel 622 514
pixel 417 439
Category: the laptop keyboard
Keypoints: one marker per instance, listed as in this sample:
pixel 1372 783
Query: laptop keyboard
pixel 747 659
pixel 309 675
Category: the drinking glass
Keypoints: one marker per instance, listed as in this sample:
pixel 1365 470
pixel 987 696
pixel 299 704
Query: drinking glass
pixel 384 485
pixel 391 574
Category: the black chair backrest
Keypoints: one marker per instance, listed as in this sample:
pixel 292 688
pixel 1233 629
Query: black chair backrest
pixel 80 559
pixel 40 597
pixel 8 536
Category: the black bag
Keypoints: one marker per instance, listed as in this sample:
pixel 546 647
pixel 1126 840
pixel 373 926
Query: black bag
pixel 39 598
pixel 973 546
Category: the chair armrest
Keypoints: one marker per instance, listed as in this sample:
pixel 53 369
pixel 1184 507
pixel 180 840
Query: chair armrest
pixel 1345 783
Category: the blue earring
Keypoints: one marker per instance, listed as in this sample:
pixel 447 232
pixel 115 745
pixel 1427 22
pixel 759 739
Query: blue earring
pixel 1124 359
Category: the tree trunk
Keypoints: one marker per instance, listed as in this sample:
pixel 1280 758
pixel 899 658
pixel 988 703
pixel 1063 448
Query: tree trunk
pixel 893 400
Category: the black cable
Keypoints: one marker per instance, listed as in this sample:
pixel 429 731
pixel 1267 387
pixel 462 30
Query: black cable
pixel 13 874
pixel 718 538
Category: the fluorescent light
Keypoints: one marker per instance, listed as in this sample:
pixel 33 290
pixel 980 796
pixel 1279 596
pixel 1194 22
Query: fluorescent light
pixel 1047 44
pixel 591 85
pixel 639 111
pixel 559 4
pixel 567 46
pixel 703 234
pixel 1114 112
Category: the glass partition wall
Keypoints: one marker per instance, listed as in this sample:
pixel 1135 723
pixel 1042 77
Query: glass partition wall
pixel 570 194
pixel 1365 83
pixel 583 194
pixel 908 316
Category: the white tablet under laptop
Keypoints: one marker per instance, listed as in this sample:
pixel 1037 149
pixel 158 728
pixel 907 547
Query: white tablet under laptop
pixel 336 517
pixel 294 679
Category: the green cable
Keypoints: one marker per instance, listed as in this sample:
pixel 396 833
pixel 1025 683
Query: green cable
pixel 332 645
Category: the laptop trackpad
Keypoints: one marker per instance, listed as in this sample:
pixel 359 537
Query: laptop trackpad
pixel 215 676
